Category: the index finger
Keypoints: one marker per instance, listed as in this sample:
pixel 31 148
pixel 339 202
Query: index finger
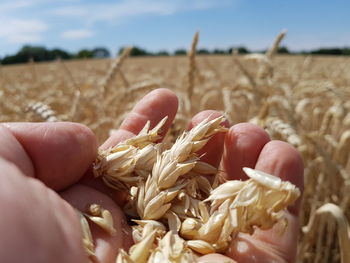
pixel 58 154
pixel 153 107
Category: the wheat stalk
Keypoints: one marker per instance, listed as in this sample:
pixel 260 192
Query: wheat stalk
pixel 68 73
pixel 192 66
pixel 74 109
pixel 248 75
pixel 336 214
pixel 229 108
pixel 342 149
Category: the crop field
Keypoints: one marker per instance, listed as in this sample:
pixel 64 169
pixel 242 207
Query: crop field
pixel 304 100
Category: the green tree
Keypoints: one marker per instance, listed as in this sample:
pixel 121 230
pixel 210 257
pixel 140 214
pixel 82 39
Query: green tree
pixel 37 53
pixel 219 51
pixel 241 50
pixel 162 53
pixel 327 51
pixel 180 52
pixel 59 53
pixel 283 50
pixel 136 51
pixel 346 51
pixel 85 53
pixel 101 52
pixel 203 51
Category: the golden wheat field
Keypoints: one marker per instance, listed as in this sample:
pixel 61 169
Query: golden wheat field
pixel 303 100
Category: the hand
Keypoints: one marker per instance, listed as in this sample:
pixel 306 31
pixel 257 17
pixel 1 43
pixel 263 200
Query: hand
pixel 44 174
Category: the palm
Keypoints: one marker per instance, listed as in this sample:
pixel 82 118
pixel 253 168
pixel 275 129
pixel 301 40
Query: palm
pixel 244 145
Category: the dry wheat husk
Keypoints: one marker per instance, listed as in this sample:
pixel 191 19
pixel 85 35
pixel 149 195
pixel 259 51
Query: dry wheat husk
pixel 178 213
pixel 117 164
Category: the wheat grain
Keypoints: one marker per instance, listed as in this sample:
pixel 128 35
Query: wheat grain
pixel 175 192
pixel 87 236
pixel 102 218
pixel 138 154
pixel 154 198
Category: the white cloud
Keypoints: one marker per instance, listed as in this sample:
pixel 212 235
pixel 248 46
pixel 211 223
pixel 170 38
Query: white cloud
pixel 77 34
pixel 26 21
pixel 21 31
pixel 15 5
pixel 120 11
pixel 18 27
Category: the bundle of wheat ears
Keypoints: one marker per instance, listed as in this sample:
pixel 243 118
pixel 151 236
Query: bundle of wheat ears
pixel 178 211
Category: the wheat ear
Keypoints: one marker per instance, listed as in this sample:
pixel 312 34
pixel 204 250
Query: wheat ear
pixel 181 213
pixel 192 66
pixel 336 214
pixel 118 164
pixel 43 110
pixel 274 47
pixel 114 69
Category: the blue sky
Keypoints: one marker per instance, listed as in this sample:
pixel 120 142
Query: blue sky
pixel 165 24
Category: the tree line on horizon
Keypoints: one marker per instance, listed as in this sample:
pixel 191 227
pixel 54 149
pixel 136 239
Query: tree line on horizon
pixel 39 53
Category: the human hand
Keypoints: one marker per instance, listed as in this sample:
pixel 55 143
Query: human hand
pixel 45 228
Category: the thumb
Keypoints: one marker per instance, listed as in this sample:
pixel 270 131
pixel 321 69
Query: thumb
pixel 36 224
pixel 215 258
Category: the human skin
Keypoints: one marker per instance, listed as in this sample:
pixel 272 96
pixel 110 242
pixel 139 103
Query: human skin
pixel 46 171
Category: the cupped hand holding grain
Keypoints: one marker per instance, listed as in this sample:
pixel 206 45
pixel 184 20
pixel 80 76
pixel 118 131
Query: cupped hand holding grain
pixel 46 166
